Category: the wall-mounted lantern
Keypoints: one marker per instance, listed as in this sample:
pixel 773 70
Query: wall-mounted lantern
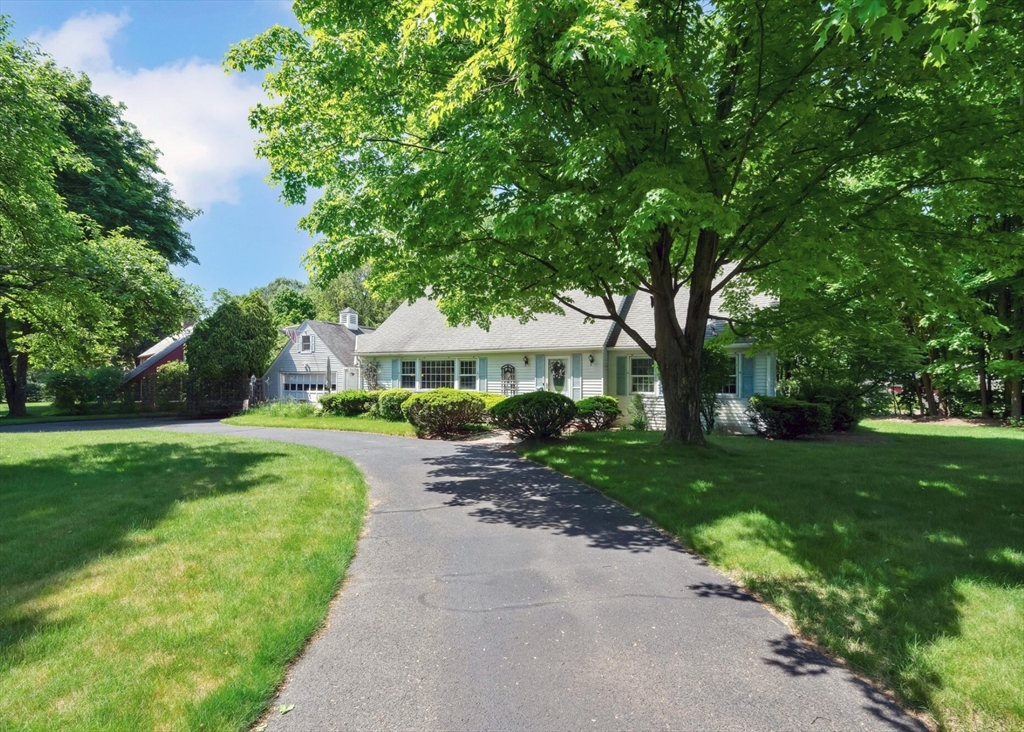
pixel 526 360
pixel 591 358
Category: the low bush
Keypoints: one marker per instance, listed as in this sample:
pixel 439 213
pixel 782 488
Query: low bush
pixel 637 413
pixel 389 404
pixel 534 414
pixel 171 380
pixel 348 403
pixel 845 402
pixel 491 399
pixel 596 413
pixel 293 409
pixel 443 411
pixel 785 419
pixel 71 391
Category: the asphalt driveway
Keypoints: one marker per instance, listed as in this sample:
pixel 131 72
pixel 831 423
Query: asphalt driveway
pixel 490 593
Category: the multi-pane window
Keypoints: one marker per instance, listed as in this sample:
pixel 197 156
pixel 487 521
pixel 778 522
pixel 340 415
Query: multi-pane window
pixel 408 374
pixel 641 371
pixel 467 375
pixel 309 381
pixel 730 380
pixel 437 374
pixel 306 343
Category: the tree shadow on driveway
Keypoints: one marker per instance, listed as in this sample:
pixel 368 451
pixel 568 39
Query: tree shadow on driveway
pixel 505 489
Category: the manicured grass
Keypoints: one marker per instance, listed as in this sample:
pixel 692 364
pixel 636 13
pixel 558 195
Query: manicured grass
pixel 303 416
pixel 154 580
pixel 42 412
pixel 900 549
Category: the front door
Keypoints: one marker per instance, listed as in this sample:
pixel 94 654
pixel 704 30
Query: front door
pixel 558 374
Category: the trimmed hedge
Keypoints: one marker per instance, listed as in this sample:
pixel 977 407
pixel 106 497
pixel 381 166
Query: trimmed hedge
pixel 389 404
pixel 845 402
pixel 534 414
pixel 349 403
pixel 786 419
pixel 443 411
pixel 596 413
pixel 491 399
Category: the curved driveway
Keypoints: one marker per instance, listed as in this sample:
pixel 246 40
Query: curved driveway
pixel 490 593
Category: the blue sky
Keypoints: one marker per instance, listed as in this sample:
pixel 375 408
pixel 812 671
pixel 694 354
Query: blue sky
pixel 163 59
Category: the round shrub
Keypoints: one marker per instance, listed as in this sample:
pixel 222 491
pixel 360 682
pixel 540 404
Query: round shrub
pixel 786 419
pixel 349 403
pixel 535 414
pixel 845 402
pixel 443 411
pixel 389 404
pixel 491 399
pixel 596 413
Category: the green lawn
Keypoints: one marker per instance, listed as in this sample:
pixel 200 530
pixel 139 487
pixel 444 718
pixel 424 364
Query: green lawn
pixel 152 580
pixel 41 412
pixel 282 414
pixel 900 549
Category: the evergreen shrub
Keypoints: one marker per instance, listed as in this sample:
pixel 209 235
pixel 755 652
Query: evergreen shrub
pixel 597 413
pixel 534 414
pixel 443 412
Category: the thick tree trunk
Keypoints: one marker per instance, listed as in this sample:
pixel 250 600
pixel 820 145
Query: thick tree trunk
pixel 678 348
pixel 986 401
pixel 14 369
pixel 928 392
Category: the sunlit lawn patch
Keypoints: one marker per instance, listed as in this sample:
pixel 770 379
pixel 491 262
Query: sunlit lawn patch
pixel 303 416
pixel 903 554
pixel 162 581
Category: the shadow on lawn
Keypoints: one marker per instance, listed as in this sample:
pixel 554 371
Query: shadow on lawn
pixel 881 533
pixel 63 512
pixel 513 491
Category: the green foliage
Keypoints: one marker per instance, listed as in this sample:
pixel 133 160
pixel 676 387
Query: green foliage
pixel 122 187
pixel 171 381
pixel 715 368
pixel 234 343
pixel 783 418
pixel 72 391
pixel 609 146
pixel 597 413
pixel 491 399
pixel 845 402
pixel 349 402
pixel 536 414
pixel 637 413
pixel 291 307
pixel 351 290
pixel 443 412
pixel 389 404
pixel 285 410
pixel 71 292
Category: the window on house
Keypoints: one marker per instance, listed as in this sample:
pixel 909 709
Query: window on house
pixel 467 375
pixel 437 374
pixel 307 382
pixel 641 371
pixel 306 343
pixel 731 379
pixel 408 374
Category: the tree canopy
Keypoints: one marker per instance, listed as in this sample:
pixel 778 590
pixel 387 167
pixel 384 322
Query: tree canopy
pixel 70 291
pixel 291 307
pixel 234 343
pixel 498 154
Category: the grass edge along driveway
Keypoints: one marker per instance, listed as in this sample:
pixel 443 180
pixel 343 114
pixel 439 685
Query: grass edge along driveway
pixel 155 580
pixel 362 423
pixel 900 549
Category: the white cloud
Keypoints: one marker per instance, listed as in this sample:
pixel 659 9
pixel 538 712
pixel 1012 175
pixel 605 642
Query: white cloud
pixel 195 114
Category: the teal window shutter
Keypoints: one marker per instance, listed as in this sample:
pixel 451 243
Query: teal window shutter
pixel 577 376
pixel 621 363
pixel 747 378
pixel 541 367
pixel 396 373
pixel 481 375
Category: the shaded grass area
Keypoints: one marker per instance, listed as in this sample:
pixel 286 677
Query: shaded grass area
pixel 162 581
pixel 304 416
pixel 43 412
pixel 900 548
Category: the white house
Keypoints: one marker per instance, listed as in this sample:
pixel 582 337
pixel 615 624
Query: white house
pixel 416 349
pixel 318 358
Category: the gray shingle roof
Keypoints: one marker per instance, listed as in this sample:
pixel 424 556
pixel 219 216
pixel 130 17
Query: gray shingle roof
pixel 421 328
pixel 339 339
pixel 640 316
